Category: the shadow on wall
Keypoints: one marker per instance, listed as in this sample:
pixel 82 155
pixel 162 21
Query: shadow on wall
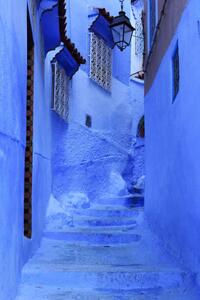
pixel 134 173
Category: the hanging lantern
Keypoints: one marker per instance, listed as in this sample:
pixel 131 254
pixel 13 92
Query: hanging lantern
pixel 122 30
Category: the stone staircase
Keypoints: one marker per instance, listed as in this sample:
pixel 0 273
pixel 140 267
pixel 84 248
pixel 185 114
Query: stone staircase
pixel 106 252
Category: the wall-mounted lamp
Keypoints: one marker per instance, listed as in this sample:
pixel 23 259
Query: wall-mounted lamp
pixel 122 30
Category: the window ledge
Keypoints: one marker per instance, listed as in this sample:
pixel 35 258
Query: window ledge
pixel 141 81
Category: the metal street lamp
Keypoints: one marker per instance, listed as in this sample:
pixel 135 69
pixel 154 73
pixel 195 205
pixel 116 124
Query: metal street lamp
pixel 122 30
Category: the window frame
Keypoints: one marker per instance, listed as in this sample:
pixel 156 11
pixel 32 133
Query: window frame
pixel 88 121
pixel 56 67
pixel 95 78
pixel 175 79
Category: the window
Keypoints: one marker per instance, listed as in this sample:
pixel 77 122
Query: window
pixel 29 132
pixel 176 72
pixel 60 95
pixel 152 20
pixel 100 62
pixel 88 121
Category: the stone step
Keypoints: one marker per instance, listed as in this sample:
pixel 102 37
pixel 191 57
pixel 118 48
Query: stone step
pixel 103 211
pixel 102 221
pixel 46 292
pixel 95 237
pixel 62 253
pixel 106 277
pixel 84 227
pixel 131 201
pixel 63 221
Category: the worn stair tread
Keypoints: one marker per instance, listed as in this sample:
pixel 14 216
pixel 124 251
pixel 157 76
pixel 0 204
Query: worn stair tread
pixel 136 200
pixel 96 229
pixel 122 229
pixel 126 279
pixel 84 222
pixel 91 218
pixel 128 196
pixel 47 292
pixel 107 207
pixel 114 268
pixel 66 254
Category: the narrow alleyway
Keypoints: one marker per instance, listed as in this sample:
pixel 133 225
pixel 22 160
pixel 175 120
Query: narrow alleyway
pixel 107 252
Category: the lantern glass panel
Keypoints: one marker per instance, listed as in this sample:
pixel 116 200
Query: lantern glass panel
pixel 127 34
pixel 118 33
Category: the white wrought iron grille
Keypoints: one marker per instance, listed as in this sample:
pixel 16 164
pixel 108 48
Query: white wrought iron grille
pixel 100 62
pixel 139 37
pixel 60 98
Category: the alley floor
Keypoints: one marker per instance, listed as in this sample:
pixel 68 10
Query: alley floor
pixel 107 253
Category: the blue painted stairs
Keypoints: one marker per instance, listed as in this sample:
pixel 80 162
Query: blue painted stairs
pixel 105 252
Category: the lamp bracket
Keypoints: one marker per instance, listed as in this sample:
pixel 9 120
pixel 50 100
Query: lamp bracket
pixel 122 4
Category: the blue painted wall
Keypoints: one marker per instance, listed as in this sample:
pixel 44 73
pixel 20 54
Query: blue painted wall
pixel 14 248
pixel 173 145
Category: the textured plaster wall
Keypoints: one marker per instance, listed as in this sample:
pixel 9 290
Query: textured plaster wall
pixel 14 248
pixel 85 161
pixel 173 147
pixel 110 111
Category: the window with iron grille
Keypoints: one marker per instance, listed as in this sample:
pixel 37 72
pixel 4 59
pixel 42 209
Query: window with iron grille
pixel 176 72
pixel 100 62
pixel 152 20
pixel 139 37
pixel 60 97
